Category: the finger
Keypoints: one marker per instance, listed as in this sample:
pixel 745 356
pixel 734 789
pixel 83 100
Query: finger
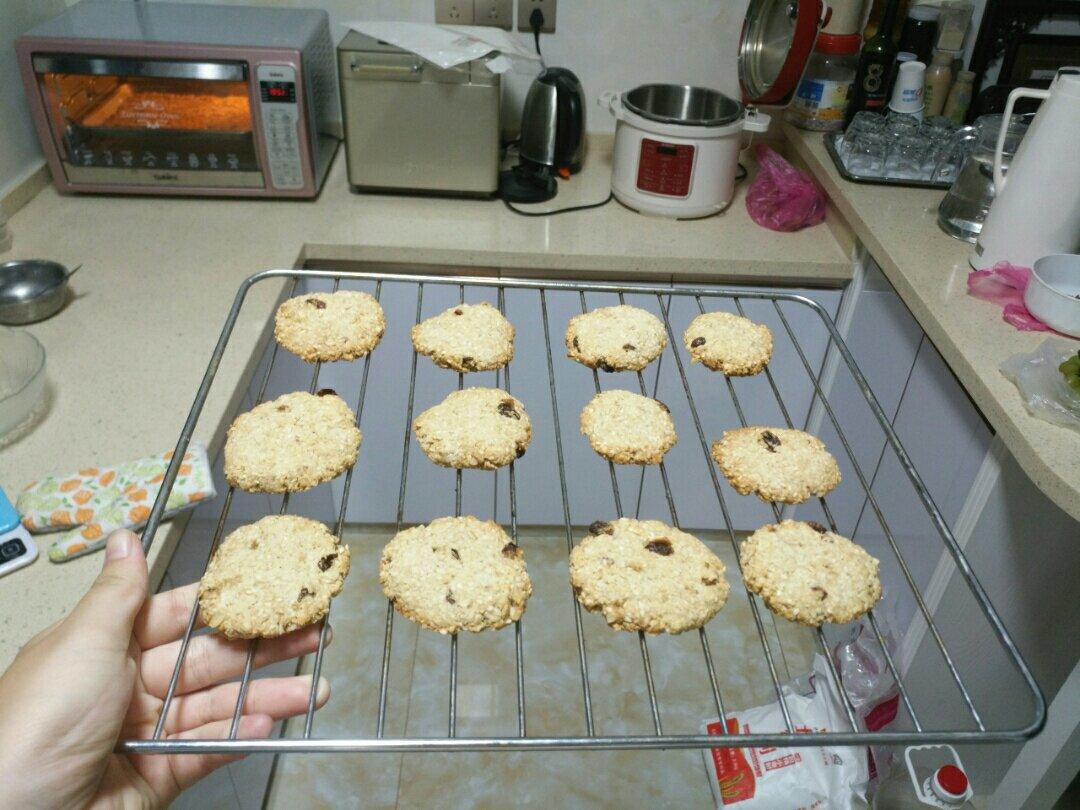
pixel 212 658
pixel 107 611
pixel 277 697
pixel 188 769
pixel 165 616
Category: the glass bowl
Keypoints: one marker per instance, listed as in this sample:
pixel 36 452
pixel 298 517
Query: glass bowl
pixel 22 377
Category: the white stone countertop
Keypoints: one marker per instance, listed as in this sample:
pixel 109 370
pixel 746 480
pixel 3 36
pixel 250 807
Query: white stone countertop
pixel 929 271
pixel 125 357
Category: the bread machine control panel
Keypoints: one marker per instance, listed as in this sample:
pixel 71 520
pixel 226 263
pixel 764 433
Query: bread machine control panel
pixel 281 122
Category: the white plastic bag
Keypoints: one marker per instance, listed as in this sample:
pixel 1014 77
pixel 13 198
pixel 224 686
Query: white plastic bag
pixel 447 46
pixel 1042 386
pixel 789 778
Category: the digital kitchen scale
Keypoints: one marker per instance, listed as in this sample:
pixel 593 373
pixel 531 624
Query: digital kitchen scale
pixel 17 549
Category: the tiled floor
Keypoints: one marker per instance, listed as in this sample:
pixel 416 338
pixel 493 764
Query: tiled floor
pixel 487 699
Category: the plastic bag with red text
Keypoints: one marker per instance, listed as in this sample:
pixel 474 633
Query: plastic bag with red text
pixel 781 198
pixel 789 778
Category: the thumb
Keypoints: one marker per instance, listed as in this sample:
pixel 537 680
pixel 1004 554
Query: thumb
pixel 113 601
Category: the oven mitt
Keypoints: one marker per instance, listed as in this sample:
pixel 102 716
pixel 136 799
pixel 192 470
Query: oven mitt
pixel 86 505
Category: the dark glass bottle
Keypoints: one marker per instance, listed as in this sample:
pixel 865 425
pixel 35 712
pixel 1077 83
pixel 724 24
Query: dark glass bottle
pixel 870 91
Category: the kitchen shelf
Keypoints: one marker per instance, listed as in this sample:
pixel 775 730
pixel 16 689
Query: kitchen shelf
pixel 920 721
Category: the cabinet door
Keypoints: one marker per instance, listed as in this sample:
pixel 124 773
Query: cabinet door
pixel 884 339
pixel 947 440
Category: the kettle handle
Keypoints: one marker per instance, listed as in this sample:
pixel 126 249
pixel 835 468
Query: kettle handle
pixel 1019 92
pixel 610 100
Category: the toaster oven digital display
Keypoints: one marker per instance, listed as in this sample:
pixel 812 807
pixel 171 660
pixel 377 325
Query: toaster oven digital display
pixel 278 92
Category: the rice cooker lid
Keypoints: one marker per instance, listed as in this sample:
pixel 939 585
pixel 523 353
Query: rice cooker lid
pixel 683 105
pixel 777 38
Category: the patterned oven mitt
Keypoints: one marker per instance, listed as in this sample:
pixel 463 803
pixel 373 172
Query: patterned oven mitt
pixel 87 505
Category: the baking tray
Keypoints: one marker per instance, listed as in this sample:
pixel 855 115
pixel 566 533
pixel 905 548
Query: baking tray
pixel 921 721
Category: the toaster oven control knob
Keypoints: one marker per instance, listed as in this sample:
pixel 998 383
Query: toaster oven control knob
pixel 280 115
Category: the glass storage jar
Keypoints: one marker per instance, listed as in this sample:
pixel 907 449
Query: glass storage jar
pixel 825 88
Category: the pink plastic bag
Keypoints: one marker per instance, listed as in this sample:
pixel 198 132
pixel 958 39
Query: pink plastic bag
pixel 781 198
pixel 1004 285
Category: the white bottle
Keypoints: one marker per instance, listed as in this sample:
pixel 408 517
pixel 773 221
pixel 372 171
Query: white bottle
pixel 936 83
pixel 920 780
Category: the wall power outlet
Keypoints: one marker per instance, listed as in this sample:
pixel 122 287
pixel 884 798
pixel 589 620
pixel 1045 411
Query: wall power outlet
pixel 454 12
pixel 525 9
pixel 498 13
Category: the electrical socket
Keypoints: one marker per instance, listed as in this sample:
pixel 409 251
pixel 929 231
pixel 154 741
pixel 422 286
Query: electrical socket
pixel 454 12
pixel 525 10
pixel 497 13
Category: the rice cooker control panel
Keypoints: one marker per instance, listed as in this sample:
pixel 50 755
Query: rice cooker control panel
pixel 665 169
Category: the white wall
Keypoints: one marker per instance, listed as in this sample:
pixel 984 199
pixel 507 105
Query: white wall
pixel 19 152
pixel 610 44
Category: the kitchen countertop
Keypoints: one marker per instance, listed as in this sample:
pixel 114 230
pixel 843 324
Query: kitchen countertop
pixel 929 271
pixel 126 355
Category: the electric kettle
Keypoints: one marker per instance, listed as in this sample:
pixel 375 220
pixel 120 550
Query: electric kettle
pixel 552 137
pixel 1036 208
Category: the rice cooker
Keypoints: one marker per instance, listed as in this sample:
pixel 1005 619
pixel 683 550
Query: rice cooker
pixel 677 146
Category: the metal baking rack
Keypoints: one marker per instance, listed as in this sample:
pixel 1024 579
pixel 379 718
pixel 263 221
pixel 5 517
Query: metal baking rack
pixel 585 736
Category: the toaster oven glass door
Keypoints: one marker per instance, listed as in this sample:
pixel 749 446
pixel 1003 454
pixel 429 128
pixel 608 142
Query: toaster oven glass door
pixel 150 121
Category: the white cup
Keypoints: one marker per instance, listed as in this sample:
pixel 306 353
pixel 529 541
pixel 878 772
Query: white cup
pixel 907 94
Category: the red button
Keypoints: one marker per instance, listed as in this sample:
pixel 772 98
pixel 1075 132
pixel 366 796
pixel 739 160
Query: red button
pixel 952 779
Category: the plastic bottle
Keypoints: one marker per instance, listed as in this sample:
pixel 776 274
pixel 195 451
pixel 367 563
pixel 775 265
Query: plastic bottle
pixel 936 83
pixel 825 88
pixel 919 780
pixel 959 100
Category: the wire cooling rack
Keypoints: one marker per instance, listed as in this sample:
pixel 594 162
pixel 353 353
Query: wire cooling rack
pixel 919 720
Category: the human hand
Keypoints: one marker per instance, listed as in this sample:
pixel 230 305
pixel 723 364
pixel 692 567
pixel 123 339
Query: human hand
pixel 101 673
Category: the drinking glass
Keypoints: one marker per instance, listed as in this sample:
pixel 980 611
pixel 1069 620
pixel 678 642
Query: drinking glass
pixel 901 124
pixel 864 121
pixel 867 154
pixel 907 157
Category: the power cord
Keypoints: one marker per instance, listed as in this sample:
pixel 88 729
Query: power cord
pixel 536 22
pixel 557 210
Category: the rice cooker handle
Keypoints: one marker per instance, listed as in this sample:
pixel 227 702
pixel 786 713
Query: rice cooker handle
pixel 755 120
pixel 611 101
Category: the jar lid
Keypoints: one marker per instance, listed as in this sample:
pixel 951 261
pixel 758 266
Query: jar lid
pixel 838 43
pixel 950 784
pixel 777 39
pixel 924 13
